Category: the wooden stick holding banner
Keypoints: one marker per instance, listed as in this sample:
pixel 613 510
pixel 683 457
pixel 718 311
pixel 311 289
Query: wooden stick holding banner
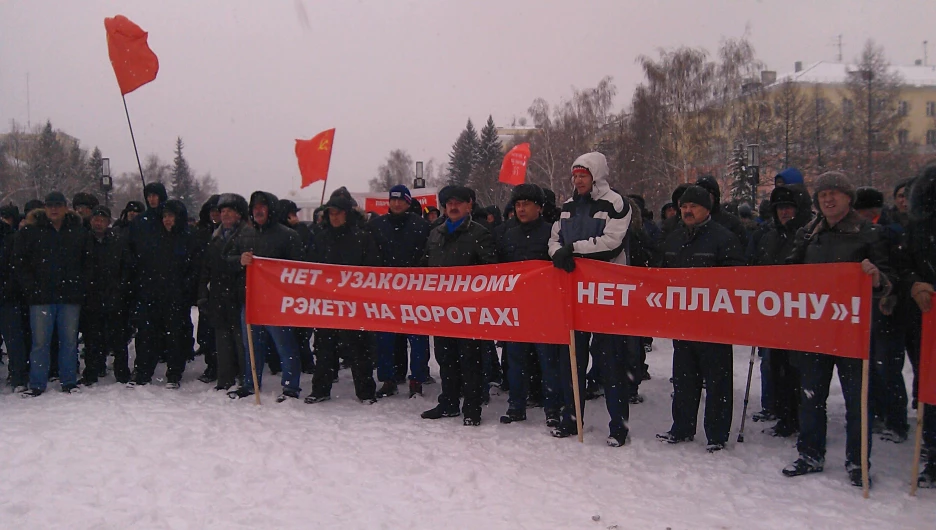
pixel 865 487
pixel 575 387
pixel 747 395
pixel 917 450
pixel 253 364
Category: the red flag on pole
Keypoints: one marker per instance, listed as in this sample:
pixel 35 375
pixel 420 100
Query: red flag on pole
pixel 134 62
pixel 513 169
pixel 927 390
pixel 314 156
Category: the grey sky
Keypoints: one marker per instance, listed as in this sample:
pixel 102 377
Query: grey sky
pixel 240 80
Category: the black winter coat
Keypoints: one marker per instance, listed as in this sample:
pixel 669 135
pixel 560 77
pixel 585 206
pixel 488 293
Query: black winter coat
pixel 170 275
pixel 851 240
pixel 273 240
pixel 52 267
pixel 9 291
pixel 349 244
pixel 109 278
pixel 400 238
pixel 469 244
pixel 222 280
pixel 525 241
pixel 733 224
pixel 707 245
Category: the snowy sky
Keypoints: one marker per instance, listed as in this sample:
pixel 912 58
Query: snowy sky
pixel 239 80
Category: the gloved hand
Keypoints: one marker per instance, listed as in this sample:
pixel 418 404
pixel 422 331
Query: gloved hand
pixel 887 304
pixel 922 294
pixel 563 259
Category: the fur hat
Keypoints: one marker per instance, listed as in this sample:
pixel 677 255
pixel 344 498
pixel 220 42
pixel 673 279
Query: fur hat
pixel 833 180
pixel 697 195
pixel 83 198
pixel 867 197
pixel 528 192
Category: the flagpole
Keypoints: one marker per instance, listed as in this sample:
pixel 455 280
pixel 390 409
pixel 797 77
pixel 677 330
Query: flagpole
pixel 325 182
pixel 132 138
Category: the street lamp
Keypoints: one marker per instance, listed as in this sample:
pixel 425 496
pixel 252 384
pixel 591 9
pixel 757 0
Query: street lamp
pixel 419 182
pixel 754 167
pixel 107 183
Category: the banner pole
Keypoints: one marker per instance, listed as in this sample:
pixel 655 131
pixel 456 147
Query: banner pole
pixel 575 387
pixel 917 450
pixel 865 487
pixel 133 139
pixel 747 396
pixel 253 364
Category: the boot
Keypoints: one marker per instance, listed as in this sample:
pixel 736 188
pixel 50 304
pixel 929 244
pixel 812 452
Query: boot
pixel 803 466
pixel 415 388
pixel 513 415
pixel 389 388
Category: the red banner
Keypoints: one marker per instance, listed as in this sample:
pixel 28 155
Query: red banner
pixel 818 308
pixel 512 301
pixel 927 390
pixel 514 167
pixel 381 205
pixel 314 157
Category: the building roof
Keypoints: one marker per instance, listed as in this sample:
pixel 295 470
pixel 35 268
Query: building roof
pixel 824 72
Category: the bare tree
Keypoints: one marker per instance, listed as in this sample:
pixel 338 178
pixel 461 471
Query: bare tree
pixel 397 169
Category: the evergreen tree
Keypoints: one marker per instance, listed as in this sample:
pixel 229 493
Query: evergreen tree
pixel 182 181
pixel 47 160
pixel 464 156
pixel 740 180
pixel 487 167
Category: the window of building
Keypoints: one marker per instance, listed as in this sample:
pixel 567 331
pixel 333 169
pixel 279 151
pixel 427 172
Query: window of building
pixel 931 108
pixel 931 137
pixel 903 136
pixel 903 108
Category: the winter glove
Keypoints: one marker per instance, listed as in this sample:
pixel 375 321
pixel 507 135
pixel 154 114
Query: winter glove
pixel 562 259
pixel 871 270
pixel 922 294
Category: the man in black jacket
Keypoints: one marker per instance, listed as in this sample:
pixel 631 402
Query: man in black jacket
pixel 221 287
pixel 51 262
pixel 106 316
pixel 342 242
pixel 166 285
pixel 528 239
pixel 288 215
pixel 701 242
pixel 790 211
pixel 12 326
pixel 270 239
pixel 728 220
pixel 918 280
pixel 401 236
pixel 459 241
pixel 208 219
pixel 839 235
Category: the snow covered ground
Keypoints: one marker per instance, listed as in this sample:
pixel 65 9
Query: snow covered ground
pixel 117 458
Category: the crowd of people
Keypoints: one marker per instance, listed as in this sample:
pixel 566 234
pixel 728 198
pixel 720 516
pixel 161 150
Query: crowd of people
pixel 76 274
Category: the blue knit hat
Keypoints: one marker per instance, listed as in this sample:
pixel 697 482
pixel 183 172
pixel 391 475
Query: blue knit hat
pixel 401 192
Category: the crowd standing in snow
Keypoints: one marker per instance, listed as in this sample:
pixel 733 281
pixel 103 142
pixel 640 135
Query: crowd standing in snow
pixel 67 274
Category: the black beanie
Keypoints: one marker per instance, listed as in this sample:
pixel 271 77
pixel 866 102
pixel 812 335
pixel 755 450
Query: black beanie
pixel 698 195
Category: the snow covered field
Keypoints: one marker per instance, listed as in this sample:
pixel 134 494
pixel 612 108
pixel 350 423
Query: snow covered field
pixel 117 458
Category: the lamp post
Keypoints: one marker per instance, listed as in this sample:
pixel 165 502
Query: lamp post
pixel 868 74
pixel 419 182
pixel 107 183
pixel 754 167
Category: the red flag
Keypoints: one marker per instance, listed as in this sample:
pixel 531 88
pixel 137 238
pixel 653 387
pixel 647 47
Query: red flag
pixel 314 156
pixel 513 169
pixel 134 62
pixel 927 390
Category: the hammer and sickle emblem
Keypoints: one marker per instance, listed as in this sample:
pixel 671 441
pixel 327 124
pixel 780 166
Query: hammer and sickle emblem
pixel 324 145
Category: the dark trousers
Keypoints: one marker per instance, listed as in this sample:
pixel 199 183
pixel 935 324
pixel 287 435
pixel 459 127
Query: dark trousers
pixel 768 399
pixel 461 373
pixel 816 370
pixel 929 431
pixel 693 364
pixel 105 332
pixel 207 343
pixel 609 353
pixel 357 348
pixel 304 340
pixel 912 340
pixel 786 386
pixel 888 391
pixel 11 329
pixel 519 366
pixel 229 345
pixel 164 327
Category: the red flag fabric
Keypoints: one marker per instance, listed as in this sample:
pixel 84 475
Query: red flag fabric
pixel 494 302
pixel 314 156
pixel 514 167
pixel 134 62
pixel 927 390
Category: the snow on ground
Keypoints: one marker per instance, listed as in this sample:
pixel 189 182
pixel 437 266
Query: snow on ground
pixel 152 458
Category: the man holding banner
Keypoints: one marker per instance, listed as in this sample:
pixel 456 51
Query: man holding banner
pixel 593 224
pixel 701 242
pixel 838 235
pixel 459 241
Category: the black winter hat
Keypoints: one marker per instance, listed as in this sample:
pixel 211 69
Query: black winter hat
pixel 461 193
pixel 55 198
pixel 711 185
pixel 83 198
pixel 340 202
pixel 677 193
pixel 833 180
pixel 697 195
pixel 867 197
pixel 9 211
pixel 101 210
pixel 135 206
pixel 178 209
pixel 528 192
pixel 783 196
pixel 34 204
pixel 550 196
pixel 156 188
pixel 286 207
pixel 665 207
pixel 235 202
